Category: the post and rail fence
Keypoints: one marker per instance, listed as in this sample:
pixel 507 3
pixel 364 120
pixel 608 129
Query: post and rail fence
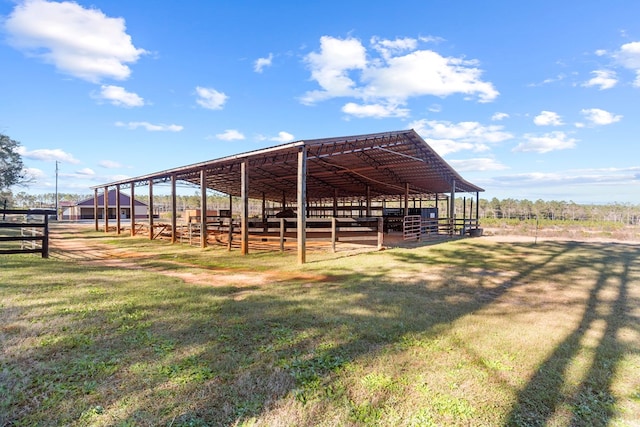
pixel 33 234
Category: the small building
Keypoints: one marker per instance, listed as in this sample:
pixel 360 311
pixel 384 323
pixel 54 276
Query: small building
pixel 86 208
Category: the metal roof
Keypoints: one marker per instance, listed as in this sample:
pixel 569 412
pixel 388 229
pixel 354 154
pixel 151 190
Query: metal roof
pixel 385 162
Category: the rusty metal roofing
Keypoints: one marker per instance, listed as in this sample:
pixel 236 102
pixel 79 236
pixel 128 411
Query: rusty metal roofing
pixel 385 162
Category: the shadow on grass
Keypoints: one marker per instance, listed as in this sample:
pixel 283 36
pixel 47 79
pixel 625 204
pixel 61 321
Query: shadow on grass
pixel 232 352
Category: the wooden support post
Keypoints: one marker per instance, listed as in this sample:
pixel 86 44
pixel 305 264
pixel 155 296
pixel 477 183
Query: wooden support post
pixel 230 235
pixel 244 212
pixel 368 201
pixel 380 232
pixel 203 208
pixel 132 209
pixel 334 234
pixel 335 202
pixel 106 209
pixel 464 214
pixel 118 209
pixel 265 226
pixel 302 206
pixel 45 238
pixel 283 229
pixel 477 209
pixel 151 209
pixel 95 207
pixel 406 199
pixel 174 210
pixel 452 209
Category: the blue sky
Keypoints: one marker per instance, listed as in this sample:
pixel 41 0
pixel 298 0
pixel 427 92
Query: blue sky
pixel 530 100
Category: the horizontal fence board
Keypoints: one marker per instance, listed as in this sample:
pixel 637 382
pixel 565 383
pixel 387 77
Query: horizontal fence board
pixel 22 225
pixel 20 238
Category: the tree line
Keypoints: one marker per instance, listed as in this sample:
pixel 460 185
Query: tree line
pixel 494 208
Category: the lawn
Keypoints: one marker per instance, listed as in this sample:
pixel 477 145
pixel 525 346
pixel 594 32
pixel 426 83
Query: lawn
pixel 468 332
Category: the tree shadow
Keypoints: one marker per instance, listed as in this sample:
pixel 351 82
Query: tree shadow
pixel 592 403
pixel 240 348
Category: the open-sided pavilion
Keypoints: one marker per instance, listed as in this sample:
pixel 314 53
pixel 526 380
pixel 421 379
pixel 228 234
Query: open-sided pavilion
pixel 318 175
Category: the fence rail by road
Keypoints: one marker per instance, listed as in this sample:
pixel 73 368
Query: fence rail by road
pixel 38 240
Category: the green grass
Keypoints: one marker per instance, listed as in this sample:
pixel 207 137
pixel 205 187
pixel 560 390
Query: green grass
pixel 468 332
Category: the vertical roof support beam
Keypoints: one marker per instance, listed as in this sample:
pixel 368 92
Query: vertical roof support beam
pixel 477 209
pixel 132 208
pixel 117 208
pixel 95 207
pixel 368 201
pixel 106 209
pixel 302 205
pixel 174 209
pixel 203 208
pixel 406 198
pixel 151 209
pixel 452 209
pixel 244 211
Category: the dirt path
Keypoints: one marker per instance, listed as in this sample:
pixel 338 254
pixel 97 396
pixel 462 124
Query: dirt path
pixel 67 243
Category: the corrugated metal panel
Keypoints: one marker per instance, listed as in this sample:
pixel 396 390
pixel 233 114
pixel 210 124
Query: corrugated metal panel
pixel 385 162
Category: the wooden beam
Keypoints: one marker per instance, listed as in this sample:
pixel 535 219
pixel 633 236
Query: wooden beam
pixel 244 212
pixel 452 208
pixel 203 208
pixel 106 209
pixel 174 209
pixel 151 209
pixel 117 208
pixel 95 207
pixel 302 208
pixel 406 198
pixel 132 209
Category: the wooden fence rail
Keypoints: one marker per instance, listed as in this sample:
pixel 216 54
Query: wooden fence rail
pixel 39 239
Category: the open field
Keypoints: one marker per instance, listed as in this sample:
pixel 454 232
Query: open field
pixel 131 332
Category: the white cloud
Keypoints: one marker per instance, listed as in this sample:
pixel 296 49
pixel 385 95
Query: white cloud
pixel 545 143
pixel 86 172
pixel 600 117
pixel 119 96
pixel 446 137
pixel 47 155
pixel 344 68
pixel 34 173
pixel 109 164
pixel 150 127
pixel 629 56
pixel 387 48
pixel 499 116
pixel 261 63
pixel 81 42
pixel 230 135
pixel 377 111
pixel 330 68
pixel 210 98
pixel 589 177
pixel 478 164
pixel 548 118
pixel 282 137
pixel 604 79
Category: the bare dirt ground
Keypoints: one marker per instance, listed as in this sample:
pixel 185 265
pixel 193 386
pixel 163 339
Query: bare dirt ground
pixel 68 243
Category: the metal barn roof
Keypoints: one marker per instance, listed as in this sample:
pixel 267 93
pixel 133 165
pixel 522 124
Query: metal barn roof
pixel 344 166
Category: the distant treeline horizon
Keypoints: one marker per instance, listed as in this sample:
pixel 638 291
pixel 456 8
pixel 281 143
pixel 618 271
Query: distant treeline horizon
pixel 508 208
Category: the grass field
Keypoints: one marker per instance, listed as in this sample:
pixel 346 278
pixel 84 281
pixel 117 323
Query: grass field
pixel 469 332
